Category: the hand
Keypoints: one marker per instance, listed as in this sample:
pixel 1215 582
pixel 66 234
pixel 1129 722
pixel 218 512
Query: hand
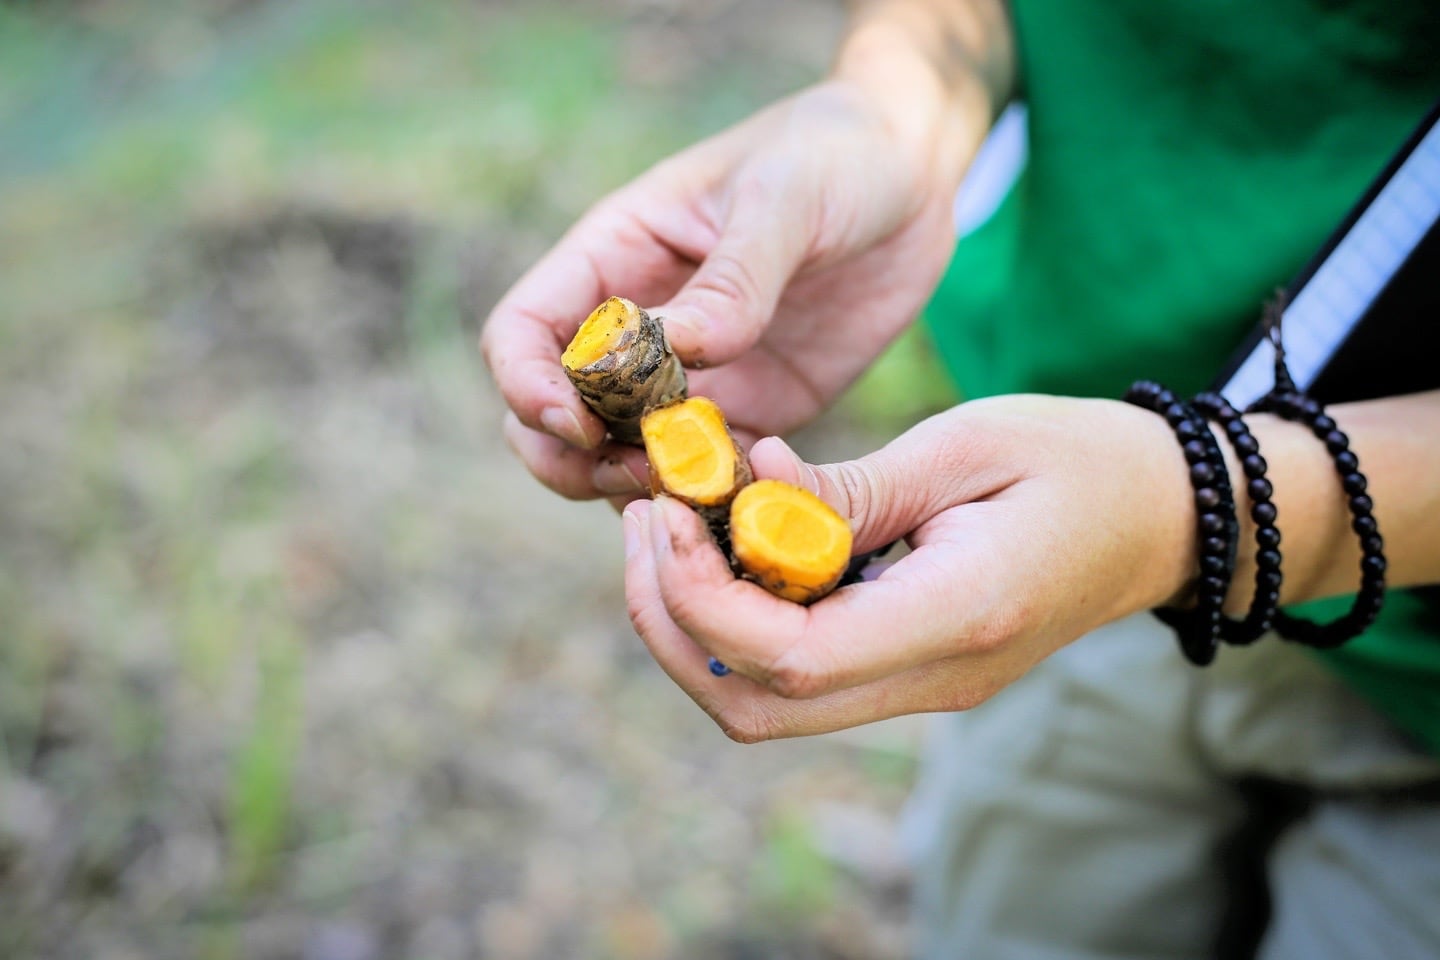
pixel 1032 520
pixel 791 249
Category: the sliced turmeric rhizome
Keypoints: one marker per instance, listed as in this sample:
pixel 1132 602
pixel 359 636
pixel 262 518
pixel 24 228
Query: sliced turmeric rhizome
pixel 788 540
pixel 693 455
pixel 782 537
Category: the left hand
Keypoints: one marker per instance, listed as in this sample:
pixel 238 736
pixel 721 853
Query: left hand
pixel 1031 521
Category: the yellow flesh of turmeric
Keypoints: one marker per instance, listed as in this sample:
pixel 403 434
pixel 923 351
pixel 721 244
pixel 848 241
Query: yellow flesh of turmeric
pixel 692 454
pixel 789 540
pixel 598 335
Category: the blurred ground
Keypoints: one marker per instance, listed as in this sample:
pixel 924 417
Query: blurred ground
pixel 295 661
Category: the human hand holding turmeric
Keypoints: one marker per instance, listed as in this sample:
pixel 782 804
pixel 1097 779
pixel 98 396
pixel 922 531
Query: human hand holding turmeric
pixel 1031 520
pixel 783 255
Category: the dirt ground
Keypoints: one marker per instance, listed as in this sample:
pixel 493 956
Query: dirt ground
pixel 295 660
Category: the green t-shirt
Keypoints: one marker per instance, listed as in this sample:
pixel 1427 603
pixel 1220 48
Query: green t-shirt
pixel 1186 159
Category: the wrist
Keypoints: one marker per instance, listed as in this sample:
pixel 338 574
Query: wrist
pixel 1320 550
pixel 937 93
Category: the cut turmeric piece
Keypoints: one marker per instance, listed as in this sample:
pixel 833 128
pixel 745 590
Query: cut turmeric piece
pixel 621 363
pixel 693 455
pixel 788 540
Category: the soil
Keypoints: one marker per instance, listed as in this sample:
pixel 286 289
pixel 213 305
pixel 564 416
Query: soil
pixel 298 662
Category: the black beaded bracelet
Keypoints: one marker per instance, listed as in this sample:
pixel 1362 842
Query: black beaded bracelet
pixel 1297 407
pixel 1263 606
pixel 1199 628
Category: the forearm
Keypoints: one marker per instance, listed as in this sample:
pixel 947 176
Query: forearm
pixel 945 69
pixel 1398 442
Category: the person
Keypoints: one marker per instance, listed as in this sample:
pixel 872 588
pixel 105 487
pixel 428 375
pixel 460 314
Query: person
pixel 1083 783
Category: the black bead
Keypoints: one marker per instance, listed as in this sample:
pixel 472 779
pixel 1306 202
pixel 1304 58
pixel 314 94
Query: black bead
pixel 1268 537
pixel 1263 513
pixel 1269 579
pixel 1259 489
pixel 1268 559
pixel 1370 597
pixel 1199 630
pixel 1144 388
pixel 1254 465
pixel 1247 444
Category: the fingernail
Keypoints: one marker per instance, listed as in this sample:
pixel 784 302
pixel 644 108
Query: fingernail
pixel 805 474
pixel 565 425
pixel 685 320
pixel 803 471
pixel 631 526
pixel 614 477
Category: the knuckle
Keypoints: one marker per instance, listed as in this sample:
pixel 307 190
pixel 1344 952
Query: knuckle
pixel 997 630
pixel 561 476
pixel 643 612
pixel 683 609
pixel 963 697
pixel 749 726
pixel 853 486
pixel 729 279
pixel 797 678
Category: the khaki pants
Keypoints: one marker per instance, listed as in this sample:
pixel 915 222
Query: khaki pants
pixel 1082 813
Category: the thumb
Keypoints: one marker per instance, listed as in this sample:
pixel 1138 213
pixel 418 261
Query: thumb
pixel 725 307
pixel 878 495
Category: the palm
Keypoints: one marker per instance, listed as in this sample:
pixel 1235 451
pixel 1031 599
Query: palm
pixel 831 324
pixel 876 238
pixel 786 252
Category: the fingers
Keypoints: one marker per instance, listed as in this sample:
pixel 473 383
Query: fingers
pixel 912 615
pixel 749 712
pixel 891 492
pixel 609 252
pixel 724 308
pixel 614 470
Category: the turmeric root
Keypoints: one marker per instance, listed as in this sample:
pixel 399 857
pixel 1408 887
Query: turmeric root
pixel 784 538
pixel 622 364
pixel 693 455
pixel 788 540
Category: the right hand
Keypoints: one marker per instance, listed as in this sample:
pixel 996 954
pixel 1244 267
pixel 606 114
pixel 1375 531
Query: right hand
pixel 783 253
